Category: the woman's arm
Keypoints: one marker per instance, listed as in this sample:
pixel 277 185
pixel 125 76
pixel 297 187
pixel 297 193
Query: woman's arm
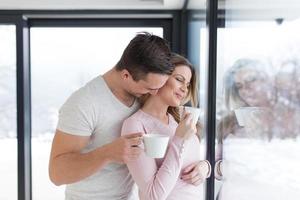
pixel 155 183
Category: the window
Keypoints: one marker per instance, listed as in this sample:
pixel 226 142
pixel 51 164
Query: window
pixel 258 109
pixel 63 60
pixel 8 119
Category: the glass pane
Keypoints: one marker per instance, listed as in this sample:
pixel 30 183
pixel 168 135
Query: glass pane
pixel 197 54
pixel 62 60
pixel 8 119
pixel 258 108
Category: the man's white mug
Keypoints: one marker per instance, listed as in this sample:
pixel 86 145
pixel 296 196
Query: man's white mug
pixel 195 112
pixel 155 145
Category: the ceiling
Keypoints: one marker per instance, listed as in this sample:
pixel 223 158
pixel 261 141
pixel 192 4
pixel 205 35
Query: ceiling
pixel 91 4
pixel 269 9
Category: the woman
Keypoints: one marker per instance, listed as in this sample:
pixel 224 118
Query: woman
pixel 164 178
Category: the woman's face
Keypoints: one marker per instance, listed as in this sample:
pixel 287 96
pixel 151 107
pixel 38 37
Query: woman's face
pixel 253 87
pixel 176 88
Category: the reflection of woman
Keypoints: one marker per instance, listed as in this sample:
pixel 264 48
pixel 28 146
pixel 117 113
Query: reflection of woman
pixel 276 104
pixel 247 84
pixel 174 176
pixel 248 87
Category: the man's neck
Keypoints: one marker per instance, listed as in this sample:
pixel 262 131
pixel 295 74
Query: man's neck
pixel 114 82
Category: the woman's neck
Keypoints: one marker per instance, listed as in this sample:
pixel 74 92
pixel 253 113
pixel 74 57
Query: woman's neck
pixel 157 108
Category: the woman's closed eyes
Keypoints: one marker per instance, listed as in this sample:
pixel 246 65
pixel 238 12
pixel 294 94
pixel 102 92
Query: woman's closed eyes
pixel 182 80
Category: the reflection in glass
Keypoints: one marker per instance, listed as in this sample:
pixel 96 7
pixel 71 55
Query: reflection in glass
pixel 62 60
pixel 258 111
pixel 8 120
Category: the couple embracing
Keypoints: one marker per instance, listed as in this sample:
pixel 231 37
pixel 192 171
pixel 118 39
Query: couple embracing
pixel 97 148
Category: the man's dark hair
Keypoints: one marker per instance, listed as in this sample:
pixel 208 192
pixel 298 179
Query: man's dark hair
pixel 146 53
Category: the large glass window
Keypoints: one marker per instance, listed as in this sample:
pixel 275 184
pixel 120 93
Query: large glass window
pixel 197 55
pixel 62 60
pixel 258 109
pixel 8 120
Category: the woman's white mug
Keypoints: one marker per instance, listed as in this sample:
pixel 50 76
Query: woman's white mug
pixel 155 144
pixel 195 112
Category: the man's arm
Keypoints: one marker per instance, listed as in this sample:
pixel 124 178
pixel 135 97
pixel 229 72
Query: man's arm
pixel 68 165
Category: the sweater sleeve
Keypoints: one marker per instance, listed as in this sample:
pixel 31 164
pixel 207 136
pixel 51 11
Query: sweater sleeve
pixel 155 183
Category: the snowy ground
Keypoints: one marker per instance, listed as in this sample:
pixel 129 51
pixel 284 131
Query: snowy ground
pixel 42 189
pixel 254 170
pixel 261 170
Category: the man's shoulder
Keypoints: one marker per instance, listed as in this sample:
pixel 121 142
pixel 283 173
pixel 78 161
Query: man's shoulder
pixel 95 86
pixel 88 94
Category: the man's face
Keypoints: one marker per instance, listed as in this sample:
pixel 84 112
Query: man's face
pixel 150 84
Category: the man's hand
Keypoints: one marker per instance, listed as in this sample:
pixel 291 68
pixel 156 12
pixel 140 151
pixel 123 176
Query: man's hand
pixel 125 148
pixel 196 173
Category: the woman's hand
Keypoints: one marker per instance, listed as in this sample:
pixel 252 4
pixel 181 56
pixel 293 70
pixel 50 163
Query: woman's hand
pixel 196 173
pixel 186 128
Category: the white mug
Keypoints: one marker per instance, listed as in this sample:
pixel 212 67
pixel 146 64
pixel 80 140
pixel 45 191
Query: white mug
pixel 245 114
pixel 155 145
pixel 195 112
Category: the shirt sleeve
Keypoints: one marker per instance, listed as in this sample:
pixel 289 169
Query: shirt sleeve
pixel 77 116
pixel 155 183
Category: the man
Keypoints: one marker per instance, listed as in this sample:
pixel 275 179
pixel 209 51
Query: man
pixel 88 153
